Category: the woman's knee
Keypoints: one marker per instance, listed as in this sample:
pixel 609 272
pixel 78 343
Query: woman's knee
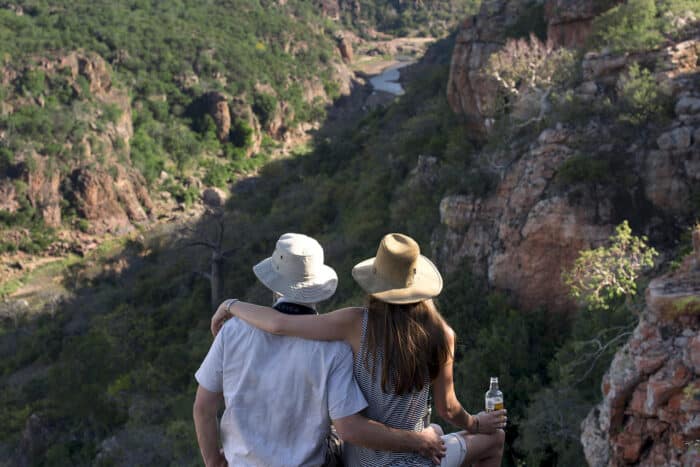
pixel 437 428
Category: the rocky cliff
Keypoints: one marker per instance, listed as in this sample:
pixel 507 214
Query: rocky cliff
pixel 472 91
pixel 650 413
pixel 44 173
pixel 549 200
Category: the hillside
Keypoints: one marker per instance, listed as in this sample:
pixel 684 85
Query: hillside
pixel 505 158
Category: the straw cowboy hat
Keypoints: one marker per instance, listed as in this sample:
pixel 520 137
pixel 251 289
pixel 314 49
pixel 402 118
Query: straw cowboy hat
pixel 296 270
pixel 399 273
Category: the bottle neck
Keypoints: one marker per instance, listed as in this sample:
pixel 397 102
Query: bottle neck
pixel 494 386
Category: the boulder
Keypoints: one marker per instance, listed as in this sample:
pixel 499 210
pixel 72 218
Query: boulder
pixel 676 139
pixel 218 109
pixel 214 197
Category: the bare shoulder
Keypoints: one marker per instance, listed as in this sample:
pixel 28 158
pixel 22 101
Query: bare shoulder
pixel 348 315
pixel 449 332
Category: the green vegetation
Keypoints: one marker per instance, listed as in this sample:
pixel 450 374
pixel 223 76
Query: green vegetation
pixel 584 169
pixel 118 357
pixel 638 25
pixel 608 273
pixel 160 60
pixel 642 98
pixel 426 18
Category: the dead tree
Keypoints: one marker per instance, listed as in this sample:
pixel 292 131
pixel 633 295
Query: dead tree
pixel 210 235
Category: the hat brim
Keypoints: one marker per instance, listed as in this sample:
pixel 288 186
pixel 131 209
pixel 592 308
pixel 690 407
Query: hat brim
pixel 314 290
pixel 427 282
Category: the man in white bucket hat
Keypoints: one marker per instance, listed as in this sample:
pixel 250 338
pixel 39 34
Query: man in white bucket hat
pixel 282 393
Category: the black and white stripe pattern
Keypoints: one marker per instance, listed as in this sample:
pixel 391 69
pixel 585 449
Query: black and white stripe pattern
pixel 404 411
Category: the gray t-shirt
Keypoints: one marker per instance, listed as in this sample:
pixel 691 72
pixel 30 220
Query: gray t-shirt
pixel 280 392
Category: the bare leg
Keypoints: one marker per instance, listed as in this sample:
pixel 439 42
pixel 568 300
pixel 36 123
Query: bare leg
pixel 484 450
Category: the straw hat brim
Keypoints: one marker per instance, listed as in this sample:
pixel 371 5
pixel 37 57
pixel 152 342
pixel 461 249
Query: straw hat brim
pixel 427 282
pixel 313 290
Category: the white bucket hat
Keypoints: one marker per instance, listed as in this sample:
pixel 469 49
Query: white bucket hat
pixel 296 270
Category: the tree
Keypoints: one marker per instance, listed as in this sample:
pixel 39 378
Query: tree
pixel 213 241
pixel 604 274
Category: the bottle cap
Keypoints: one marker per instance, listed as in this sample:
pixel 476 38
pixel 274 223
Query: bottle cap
pixel 494 379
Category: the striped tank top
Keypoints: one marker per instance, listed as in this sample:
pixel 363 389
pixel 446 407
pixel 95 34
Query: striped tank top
pixel 405 411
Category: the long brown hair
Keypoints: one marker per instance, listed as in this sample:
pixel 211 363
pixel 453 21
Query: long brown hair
pixel 414 342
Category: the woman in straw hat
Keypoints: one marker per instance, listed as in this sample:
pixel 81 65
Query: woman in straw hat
pixel 401 346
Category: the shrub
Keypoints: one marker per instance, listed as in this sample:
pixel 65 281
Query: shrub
pixel 528 69
pixel 111 113
pixel 584 169
pixel 241 134
pixel 641 98
pixel 264 106
pixel 608 273
pixel 629 27
pixel 33 82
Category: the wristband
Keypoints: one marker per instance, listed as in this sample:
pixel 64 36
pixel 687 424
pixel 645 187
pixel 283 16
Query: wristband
pixel 230 302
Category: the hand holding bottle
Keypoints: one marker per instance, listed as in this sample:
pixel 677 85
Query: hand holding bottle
pixel 489 422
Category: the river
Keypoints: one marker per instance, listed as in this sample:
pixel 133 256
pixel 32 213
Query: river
pixel 388 80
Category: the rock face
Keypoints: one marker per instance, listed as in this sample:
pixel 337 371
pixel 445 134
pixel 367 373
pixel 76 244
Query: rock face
pixel 471 91
pixel 217 104
pixel 650 413
pixel 569 21
pixel 109 204
pixel 531 227
pixel 345 48
pixel 524 235
pixel 108 193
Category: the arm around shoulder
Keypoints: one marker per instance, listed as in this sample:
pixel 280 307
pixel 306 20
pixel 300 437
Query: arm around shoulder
pixel 336 325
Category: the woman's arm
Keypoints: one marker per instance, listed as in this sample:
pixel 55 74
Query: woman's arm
pixel 449 407
pixel 337 325
pixel 446 402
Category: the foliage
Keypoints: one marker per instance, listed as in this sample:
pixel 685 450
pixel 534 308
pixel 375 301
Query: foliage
pixel 586 169
pixel 531 21
pixel 641 98
pixel 434 18
pixel 638 25
pixel 265 107
pixel 551 426
pixel 629 27
pixel 495 339
pixel 527 69
pixel 607 273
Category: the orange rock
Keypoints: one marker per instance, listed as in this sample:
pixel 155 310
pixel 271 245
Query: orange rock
pixel 639 397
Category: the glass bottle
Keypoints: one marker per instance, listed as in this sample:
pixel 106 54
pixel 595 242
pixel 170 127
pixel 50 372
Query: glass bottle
pixel 494 396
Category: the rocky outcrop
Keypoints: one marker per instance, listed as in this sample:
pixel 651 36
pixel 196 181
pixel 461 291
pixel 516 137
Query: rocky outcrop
pixel 217 107
pixel 529 230
pixel 471 92
pixel 345 48
pixel 569 21
pixel 111 205
pixel 241 111
pixel 531 227
pixel 97 184
pixel 650 413
pixel 43 191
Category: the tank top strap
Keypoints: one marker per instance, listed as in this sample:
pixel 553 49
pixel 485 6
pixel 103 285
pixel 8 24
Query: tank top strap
pixel 363 338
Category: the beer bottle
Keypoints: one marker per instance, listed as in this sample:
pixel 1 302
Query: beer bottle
pixel 494 396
